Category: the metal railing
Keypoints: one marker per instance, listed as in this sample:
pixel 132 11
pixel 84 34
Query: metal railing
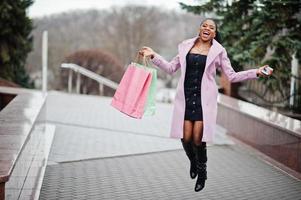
pixel 82 71
pixel 280 98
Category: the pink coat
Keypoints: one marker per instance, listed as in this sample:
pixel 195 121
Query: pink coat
pixel 217 57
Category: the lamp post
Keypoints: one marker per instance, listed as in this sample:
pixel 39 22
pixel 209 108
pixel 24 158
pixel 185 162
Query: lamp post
pixel 44 62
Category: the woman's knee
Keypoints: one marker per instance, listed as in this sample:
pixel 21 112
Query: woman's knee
pixel 187 139
pixel 198 133
pixel 197 140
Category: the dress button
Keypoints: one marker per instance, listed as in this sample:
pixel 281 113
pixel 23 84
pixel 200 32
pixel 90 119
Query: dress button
pixel 195 87
pixel 194 94
pixel 193 102
pixel 193 111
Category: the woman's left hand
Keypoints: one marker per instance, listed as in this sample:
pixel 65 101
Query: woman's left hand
pixel 259 72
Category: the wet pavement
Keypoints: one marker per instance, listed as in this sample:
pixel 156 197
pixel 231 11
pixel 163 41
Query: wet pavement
pixel 99 153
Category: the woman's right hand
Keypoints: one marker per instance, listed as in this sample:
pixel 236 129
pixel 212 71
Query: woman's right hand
pixel 147 52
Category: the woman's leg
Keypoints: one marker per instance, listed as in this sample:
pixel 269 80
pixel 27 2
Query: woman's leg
pixel 201 155
pixel 197 132
pixel 187 145
pixel 188 128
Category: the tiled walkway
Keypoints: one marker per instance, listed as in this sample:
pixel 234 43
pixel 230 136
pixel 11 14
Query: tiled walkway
pixel 232 174
pixel 99 153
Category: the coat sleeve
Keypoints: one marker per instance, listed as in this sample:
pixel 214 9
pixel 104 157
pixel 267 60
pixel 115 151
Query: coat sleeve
pixel 169 67
pixel 231 74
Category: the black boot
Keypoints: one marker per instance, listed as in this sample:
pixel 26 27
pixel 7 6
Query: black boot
pixel 190 154
pixel 201 160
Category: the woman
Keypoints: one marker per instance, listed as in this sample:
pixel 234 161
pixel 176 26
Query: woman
pixel 195 107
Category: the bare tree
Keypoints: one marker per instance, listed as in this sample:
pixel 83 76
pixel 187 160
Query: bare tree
pixel 120 31
pixel 99 62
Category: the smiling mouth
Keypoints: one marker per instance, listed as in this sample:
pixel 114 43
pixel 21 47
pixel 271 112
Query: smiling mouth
pixel 206 34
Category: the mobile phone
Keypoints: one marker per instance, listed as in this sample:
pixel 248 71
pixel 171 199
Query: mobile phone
pixel 266 70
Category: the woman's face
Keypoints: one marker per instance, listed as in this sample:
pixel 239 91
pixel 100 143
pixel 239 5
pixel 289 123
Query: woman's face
pixel 207 30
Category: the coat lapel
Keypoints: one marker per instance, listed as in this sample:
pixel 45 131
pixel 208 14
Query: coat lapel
pixel 188 44
pixel 214 50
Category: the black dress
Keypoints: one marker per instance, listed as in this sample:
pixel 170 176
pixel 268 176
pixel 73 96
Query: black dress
pixel 195 66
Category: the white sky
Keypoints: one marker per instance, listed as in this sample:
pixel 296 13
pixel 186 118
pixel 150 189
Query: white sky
pixel 47 7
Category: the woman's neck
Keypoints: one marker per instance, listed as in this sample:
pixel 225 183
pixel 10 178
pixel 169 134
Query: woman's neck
pixel 204 43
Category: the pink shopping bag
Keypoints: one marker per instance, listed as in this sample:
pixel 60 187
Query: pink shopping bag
pixel 131 94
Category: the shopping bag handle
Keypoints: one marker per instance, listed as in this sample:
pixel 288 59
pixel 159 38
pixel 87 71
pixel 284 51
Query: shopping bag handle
pixel 144 59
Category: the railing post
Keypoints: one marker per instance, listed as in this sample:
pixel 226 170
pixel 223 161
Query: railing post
pixel 70 81
pixel 78 83
pixel 100 89
pixel 293 79
pixel 84 88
